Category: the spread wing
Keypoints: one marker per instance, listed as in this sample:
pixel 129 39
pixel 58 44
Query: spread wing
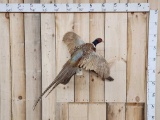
pixel 95 62
pixel 72 40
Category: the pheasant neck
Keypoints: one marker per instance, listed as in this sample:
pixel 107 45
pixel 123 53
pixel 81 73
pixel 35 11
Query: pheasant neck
pixel 95 42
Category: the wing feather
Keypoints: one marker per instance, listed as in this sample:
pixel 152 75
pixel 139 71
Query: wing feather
pixel 72 40
pixel 95 62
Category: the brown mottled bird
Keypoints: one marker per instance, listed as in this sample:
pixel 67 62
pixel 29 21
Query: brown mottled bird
pixel 83 55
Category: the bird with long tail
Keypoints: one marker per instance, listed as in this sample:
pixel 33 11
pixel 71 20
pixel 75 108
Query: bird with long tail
pixel 83 55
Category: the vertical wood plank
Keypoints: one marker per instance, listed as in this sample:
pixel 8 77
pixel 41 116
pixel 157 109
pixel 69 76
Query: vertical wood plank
pixel 158 69
pixel 18 70
pixel 81 27
pixel 78 111
pixel 116 51
pixel 96 27
pixel 64 23
pixel 135 112
pixel 62 111
pixel 158 88
pixel 48 61
pixel 97 111
pixel 5 68
pixel 116 111
pixel 137 50
pixel 33 63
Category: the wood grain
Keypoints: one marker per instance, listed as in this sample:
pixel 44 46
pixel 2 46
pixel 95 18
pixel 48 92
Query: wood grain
pixel 62 111
pixel 5 67
pixel 81 27
pixel 97 111
pixel 33 63
pixel 78 111
pixel 48 61
pixel 116 111
pixel 116 52
pixel 137 51
pixel 158 69
pixel 158 88
pixel 135 111
pixel 18 70
pixel 96 30
pixel 64 23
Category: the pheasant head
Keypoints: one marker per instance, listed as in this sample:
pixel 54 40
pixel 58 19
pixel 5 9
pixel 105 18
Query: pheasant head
pixel 96 41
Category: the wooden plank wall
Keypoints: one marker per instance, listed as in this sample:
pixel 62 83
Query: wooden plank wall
pixel 32 53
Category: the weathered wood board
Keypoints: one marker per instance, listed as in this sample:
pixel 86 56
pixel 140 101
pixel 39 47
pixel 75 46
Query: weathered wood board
pixel 136 70
pixel 62 111
pixel 97 111
pixel 116 52
pixel 5 67
pixel 78 111
pixel 81 27
pixel 116 111
pixel 64 23
pixel 18 70
pixel 96 30
pixel 48 61
pixel 135 111
pixel 32 63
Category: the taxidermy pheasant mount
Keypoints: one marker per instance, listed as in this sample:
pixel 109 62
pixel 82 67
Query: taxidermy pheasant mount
pixel 83 55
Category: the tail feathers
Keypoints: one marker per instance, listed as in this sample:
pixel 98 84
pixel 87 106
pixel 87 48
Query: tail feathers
pixel 110 78
pixel 63 77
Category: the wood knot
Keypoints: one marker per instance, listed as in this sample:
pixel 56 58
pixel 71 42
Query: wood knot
pixel 73 27
pixel 20 97
pixel 92 80
pixel 137 99
pixel 7 15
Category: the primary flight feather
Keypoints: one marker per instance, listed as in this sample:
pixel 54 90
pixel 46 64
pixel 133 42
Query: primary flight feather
pixel 83 55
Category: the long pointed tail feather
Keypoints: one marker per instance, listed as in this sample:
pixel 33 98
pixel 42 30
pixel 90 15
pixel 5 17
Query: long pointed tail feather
pixel 63 77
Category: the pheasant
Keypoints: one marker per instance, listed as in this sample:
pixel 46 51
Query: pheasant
pixel 83 55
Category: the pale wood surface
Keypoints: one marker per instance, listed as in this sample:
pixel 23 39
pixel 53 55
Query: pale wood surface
pixel 135 112
pixel 158 88
pixel 116 111
pixel 158 69
pixel 137 51
pixel 5 68
pixel 97 111
pixel 81 27
pixel 78 111
pixel 64 23
pixel 96 27
pixel 153 4
pixel 62 110
pixel 116 50
pixel 33 63
pixel 18 70
pixel 48 61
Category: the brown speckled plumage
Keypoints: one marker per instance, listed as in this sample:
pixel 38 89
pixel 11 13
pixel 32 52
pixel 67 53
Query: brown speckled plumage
pixel 83 55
